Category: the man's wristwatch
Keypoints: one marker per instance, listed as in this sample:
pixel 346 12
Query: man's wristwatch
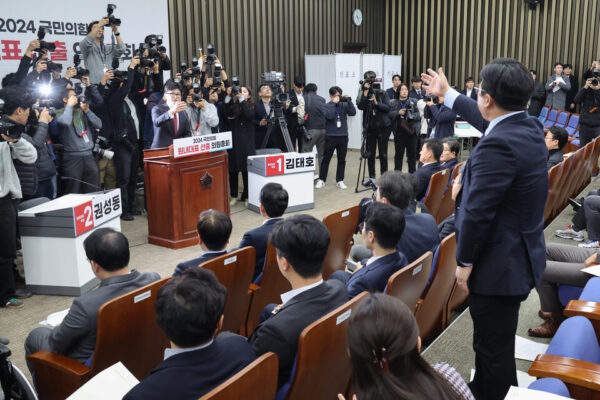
pixel 117 34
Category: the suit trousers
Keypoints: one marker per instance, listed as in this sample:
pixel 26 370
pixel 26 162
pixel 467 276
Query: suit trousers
pixel 378 138
pixel 563 267
pixel 8 246
pixel 83 168
pixel 317 138
pixel 233 184
pixel 587 133
pixel 126 164
pixel 405 141
pixel 588 217
pixel 339 144
pixel 37 340
pixel 494 327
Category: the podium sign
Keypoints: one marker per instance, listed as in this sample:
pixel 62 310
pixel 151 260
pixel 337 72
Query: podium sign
pixel 191 146
pixel 97 211
pixel 294 171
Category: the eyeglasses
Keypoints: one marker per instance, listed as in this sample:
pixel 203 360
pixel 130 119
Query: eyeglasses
pixel 173 94
pixel 480 91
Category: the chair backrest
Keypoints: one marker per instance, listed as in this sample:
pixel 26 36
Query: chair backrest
pixel 564 176
pixel 552 115
pixel 323 364
pixel 573 122
pixel 408 283
pixel 234 270
pixel 437 185
pixel 561 120
pixel 341 225
pixel 553 177
pixel 127 331
pixel 447 205
pixel 272 284
pixel 543 114
pixel 583 179
pixel 258 381
pixel 431 312
pixel 577 169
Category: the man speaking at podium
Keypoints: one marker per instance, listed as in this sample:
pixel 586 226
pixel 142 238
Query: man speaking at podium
pixel 500 221
pixel 169 117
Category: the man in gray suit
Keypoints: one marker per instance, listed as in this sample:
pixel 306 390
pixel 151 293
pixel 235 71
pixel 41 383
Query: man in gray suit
pixel 108 253
pixel 557 87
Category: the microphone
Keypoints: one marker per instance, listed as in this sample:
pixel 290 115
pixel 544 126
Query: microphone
pixel 65 178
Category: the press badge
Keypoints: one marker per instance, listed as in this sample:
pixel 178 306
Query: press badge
pixel 339 123
pixel 86 138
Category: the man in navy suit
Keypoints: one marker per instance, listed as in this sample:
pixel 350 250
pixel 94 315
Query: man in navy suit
pixel 381 233
pixel 451 149
pixel 214 228
pixel 169 117
pixel 420 230
pixel 430 157
pixel 301 242
pixel 189 309
pixel 441 119
pixel 500 221
pixel 469 89
pixel 273 202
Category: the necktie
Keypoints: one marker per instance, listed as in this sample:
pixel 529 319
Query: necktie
pixel 175 116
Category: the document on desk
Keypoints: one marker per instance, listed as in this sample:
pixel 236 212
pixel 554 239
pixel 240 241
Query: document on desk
pixel 593 270
pixel 526 349
pixel 55 319
pixel 111 384
pixel 519 393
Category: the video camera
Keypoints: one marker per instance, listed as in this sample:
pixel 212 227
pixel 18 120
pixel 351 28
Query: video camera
pixel 81 72
pixel 595 76
pixel 274 79
pixel 112 20
pixel 375 86
pixel 41 34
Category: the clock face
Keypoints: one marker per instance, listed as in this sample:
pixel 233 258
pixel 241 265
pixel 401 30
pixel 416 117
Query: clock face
pixel 357 17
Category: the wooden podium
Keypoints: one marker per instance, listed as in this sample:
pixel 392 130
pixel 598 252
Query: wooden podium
pixel 178 190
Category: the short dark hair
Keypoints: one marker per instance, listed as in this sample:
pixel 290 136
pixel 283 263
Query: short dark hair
pixel 303 240
pixel 262 86
pixel 436 147
pixel 508 82
pixel 452 144
pixel 396 75
pixel 66 91
pixel 416 78
pixel 214 228
pixel 533 71
pixel 558 63
pixel 386 222
pixel 567 66
pixel 469 79
pixel 369 74
pixel 90 25
pixel 9 79
pixel 333 90
pixel 172 85
pixel 561 135
pixel 299 81
pixel 108 248
pixel 189 307
pixel 15 97
pixel 396 189
pixel 274 199
pixel 310 87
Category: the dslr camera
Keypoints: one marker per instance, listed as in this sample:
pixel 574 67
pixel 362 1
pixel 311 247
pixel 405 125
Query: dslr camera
pixel 431 97
pixel 210 54
pixel 122 75
pixel 8 128
pixel 112 20
pixel 196 71
pixel 81 72
pixel 102 148
pixel 41 34
pixel 275 79
pixel 595 76
pixel 183 68
pixel 79 92
pixel 196 97
pixel 235 88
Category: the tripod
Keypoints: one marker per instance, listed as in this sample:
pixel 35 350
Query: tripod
pixel 364 152
pixel 276 117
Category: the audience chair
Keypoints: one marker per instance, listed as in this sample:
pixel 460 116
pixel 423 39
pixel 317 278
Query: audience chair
pixel 234 270
pixel 408 283
pixel 543 114
pixel 258 381
pixel 587 303
pixel 553 178
pixel 561 198
pixel 577 169
pixel 458 297
pixel 435 191
pixel 447 205
pixel 573 124
pixel 341 225
pixel 551 120
pixel 272 284
pixel 431 308
pixel 562 119
pixel 585 176
pixel 322 368
pixel 126 332
pixel 550 385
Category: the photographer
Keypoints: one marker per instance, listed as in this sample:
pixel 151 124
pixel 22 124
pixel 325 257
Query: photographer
pixel 75 123
pixel 262 114
pixel 441 118
pixel 16 109
pixel 589 98
pixel 315 122
pixel 405 120
pixel 375 101
pixel 294 122
pixel 126 124
pixel 239 111
pixel 15 78
pixel 104 158
pixel 202 115
pixel 336 135
pixel 98 56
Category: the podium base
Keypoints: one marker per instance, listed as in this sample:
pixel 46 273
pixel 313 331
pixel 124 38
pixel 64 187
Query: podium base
pixel 173 244
pixel 63 290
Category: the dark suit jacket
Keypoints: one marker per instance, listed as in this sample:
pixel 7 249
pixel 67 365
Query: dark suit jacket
pixel 416 94
pixel 538 97
pixel 258 238
pixel 473 93
pixel 451 163
pixel 554 157
pixel 181 267
pixel 500 220
pixel 391 93
pixel 164 126
pixel 280 333
pixel 420 235
pixel 442 118
pixel 192 374
pixel 75 337
pixel 423 175
pixel 374 277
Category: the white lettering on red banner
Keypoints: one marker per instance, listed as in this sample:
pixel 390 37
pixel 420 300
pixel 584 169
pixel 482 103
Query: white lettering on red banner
pixel 195 145
pixel 287 163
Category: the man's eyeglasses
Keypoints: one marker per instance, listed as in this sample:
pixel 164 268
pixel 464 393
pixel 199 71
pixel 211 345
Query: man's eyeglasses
pixel 480 91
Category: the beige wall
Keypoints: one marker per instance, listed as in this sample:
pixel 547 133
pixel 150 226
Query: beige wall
pixel 463 35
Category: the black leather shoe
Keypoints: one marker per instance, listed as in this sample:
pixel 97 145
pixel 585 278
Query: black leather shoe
pixel 575 204
pixel 126 217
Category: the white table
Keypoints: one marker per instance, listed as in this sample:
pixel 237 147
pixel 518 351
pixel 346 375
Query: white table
pixel 464 131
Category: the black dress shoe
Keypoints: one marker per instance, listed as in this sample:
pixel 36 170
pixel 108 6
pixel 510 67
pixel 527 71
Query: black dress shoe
pixel 575 204
pixel 135 212
pixel 22 293
pixel 126 217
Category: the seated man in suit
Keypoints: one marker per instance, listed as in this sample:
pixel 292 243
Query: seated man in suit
pixel 108 253
pixel 469 88
pixel 556 139
pixel 451 149
pixel 214 228
pixel 273 202
pixel 381 233
pixel 430 157
pixel 169 117
pixel 189 309
pixel 420 231
pixel 301 242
